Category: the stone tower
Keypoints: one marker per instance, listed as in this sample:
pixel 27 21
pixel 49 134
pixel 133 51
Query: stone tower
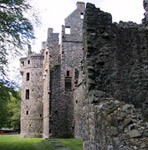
pixel 32 93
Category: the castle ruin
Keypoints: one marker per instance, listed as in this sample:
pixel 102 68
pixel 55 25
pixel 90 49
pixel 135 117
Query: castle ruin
pixel 93 86
pixel 49 80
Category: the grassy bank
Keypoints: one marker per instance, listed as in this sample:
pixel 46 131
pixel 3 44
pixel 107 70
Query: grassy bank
pixel 15 142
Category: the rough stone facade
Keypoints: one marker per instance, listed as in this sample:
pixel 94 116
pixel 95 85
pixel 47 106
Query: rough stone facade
pixel 72 54
pixel 32 93
pixel 56 81
pixel 113 83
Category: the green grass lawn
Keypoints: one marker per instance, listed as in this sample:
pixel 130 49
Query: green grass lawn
pixel 73 144
pixel 15 142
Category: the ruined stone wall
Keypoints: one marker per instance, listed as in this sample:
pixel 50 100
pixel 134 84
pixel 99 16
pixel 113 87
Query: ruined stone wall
pixel 57 124
pixel 54 48
pixel 32 93
pixel 114 83
pixel 117 58
pixel 79 98
pixel 145 20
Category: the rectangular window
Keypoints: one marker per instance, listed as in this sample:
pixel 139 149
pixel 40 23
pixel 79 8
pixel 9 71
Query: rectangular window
pixel 67 30
pixel 68 73
pixel 28 76
pixel 82 15
pixel 46 56
pixel 68 84
pixel 27 94
pixel 27 112
pixel 28 61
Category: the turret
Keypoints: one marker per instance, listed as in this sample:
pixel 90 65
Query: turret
pixel 32 95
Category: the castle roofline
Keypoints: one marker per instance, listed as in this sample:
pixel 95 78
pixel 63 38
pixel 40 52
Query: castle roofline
pixel 79 2
pixel 32 55
pixel 80 5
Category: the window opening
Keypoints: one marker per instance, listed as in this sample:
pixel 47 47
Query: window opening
pixel 22 63
pixel 46 56
pixel 27 112
pixel 27 94
pixel 82 15
pixel 68 84
pixel 28 61
pixel 67 30
pixel 28 76
pixel 49 130
pixel 68 73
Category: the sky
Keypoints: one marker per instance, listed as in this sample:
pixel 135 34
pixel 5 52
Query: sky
pixel 53 12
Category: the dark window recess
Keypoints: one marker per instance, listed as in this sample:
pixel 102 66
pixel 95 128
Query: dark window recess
pixel 27 112
pixel 22 63
pixel 82 15
pixel 40 115
pixel 46 56
pixel 27 94
pixel 68 83
pixel 28 76
pixel 28 61
pixel 22 73
pixel 50 130
pixel 67 73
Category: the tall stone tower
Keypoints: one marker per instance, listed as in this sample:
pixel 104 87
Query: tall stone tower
pixel 32 93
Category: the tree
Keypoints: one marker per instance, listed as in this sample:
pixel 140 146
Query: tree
pixel 15 29
pixel 13 107
pixel 5 93
pixel 9 106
